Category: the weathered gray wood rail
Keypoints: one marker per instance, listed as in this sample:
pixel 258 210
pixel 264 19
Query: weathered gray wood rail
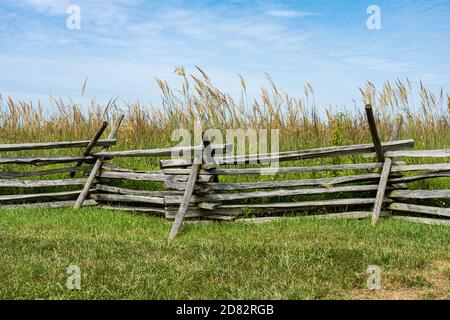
pixel 296 155
pixel 54 145
pixel 359 190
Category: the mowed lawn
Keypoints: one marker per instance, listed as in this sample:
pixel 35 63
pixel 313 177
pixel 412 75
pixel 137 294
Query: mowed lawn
pixel 126 256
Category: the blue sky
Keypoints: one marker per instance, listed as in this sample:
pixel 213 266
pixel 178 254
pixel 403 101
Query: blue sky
pixel 124 44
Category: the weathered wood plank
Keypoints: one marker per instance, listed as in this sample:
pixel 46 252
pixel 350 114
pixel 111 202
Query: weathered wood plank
pixel 430 221
pixel 443 153
pixel 332 216
pixel 296 155
pixel 54 145
pixel 106 197
pixel 29 174
pixel 207 205
pixel 200 179
pixel 280 170
pixel 421 167
pixel 420 194
pixel 263 220
pixel 303 204
pixel 90 146
pixel 97 167
pixel 184 201
pixel 159 211
pixel 325 182
pixel 404 207
pixel 199 188
pixel 343 215
pixel 161 177
pixel 157 176
pixel 269 194
pixel 199 160
pixel 381 190
pixel 134 192
pixel 53 204
pixel 196 212
pixel 57 196
pixel 284 170
pixel 45 160
pixel 420 177
pixel 10 183
pixel 374 133
pixel 165 152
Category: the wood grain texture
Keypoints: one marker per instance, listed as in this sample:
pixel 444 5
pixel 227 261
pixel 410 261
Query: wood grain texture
pixel 53 204
pixel 90 146
pixel 303 204
pixel 156 176
pixel 133 192
pixel 374 134
pixel 284 170
pixel 381 190
pixel 420 177
pixel 97 167
pixel 196 212
pixel 404 207
pixel 270 194
pixel 164 152
pixel 40 161
pixel 430 221
pixel 10 183
pixel 107 197
pixel 29 174
pixel 158 211
pixel 324 182
pixel 185 199
pixel 421 167
pixel 296 155
pixel 54 145
pixel 420 194
pixel 443 153
pixel 56 196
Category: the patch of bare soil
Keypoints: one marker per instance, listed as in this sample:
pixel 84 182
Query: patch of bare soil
pixel 437 274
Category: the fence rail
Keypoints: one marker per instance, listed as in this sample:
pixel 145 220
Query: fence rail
pixel 196 189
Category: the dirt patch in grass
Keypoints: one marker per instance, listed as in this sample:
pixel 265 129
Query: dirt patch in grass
pixel 433 283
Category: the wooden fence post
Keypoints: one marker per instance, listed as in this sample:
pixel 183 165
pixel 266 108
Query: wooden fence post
pixel 394 137
pixel 374 133
pixel 98 165
pixel 190 185
pixel 89 147
pixel 381 158
pixel 381 190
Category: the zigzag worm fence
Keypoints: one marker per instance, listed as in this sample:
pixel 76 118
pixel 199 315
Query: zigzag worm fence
pixel 230 187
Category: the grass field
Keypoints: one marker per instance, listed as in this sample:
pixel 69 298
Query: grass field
pixel 124 256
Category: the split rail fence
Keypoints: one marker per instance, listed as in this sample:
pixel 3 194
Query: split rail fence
pixel 197 187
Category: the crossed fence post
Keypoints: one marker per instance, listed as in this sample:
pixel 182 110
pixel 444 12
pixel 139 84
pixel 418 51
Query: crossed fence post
pixel 385 172
pixel 97 167
pixel 199 160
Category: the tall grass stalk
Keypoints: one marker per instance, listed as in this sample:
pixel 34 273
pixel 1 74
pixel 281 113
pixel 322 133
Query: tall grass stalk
pixel 301 125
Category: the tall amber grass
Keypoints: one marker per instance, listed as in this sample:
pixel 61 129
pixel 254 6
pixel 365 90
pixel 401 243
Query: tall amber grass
pixel 426 115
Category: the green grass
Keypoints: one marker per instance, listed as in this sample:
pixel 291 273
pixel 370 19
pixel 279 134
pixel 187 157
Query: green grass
pixel 125 256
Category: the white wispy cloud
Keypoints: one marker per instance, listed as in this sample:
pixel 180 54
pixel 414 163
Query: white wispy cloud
pixel 123 44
